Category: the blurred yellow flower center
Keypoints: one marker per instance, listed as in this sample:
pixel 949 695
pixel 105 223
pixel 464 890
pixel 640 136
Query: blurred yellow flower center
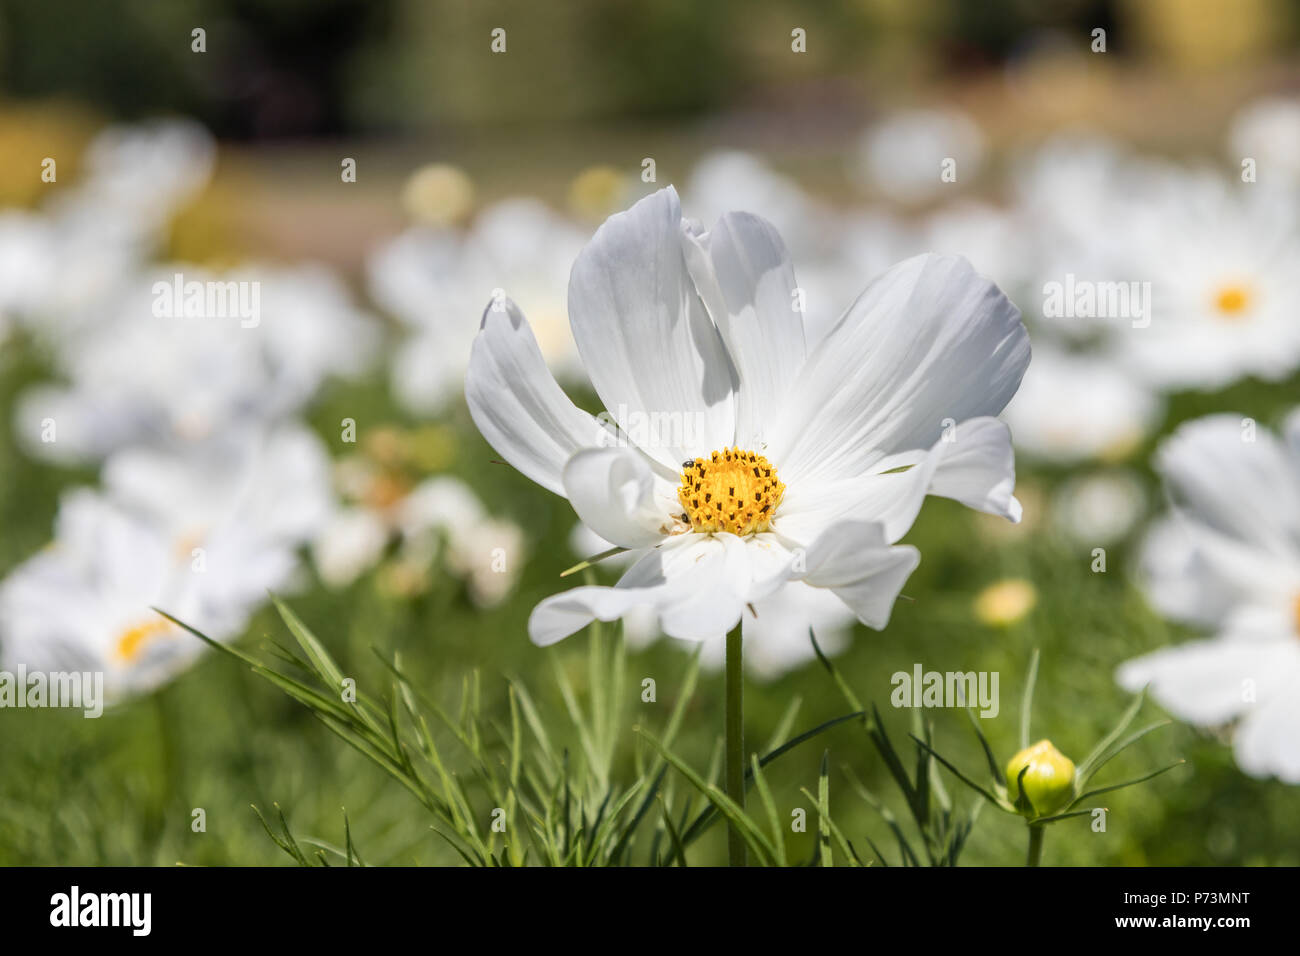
pixel 1232 301
pixel 1297 615
pixel 1005 602
pixel 385 491
pixel 438 195
pixel 731 490
pixel 133 640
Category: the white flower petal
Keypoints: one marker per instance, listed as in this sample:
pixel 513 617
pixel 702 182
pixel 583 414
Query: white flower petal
pixel 1202 682
pixel 348 545
pixel 517 404
pixel 1178 580
pixel 853 561
pixel 613 491
pixel 743 273
pixel 1291 429
pixel 978 468
pixel 1206 457
pixel 645 338
pixel 929 342
pixel 695 586
pixel 1266 743
pixel 441 503
pixel 891 499
pixel 776 634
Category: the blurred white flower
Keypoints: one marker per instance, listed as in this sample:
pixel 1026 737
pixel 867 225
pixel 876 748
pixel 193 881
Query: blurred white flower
pixel 348 544
pixel 1073 407
pixel 484 551
pixel 85 602
pixel 146 171
pixel 27 263
pixel 440 519
pixel 60 266
pixel 902 155
pixel 1099 508
pixel 275 480
pixel 1067 184
pixel 769 463
pixel 1074 196
pixel 997 241
pixel 433 281
pixel 1268 131
pixel 167 381
pixel 776 635
pixel 728 179
pixel 1223 261
pixel 487 557
pixel 1229 560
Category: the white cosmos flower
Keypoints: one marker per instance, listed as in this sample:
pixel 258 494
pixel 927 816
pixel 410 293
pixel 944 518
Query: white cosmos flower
pixel 167 381
pixel 757 461
pixel 84 603
pixel 432 278
pixel 1073 407
pixel 1228 560
pixel 1076 196
pixel 1223 261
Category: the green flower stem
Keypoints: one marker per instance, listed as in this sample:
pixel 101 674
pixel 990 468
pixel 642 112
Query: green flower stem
pixel 1035 845
pixel 735 742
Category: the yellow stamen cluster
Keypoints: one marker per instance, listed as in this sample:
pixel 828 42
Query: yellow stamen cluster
pixel 1232 301
pixel 731 490
pixel 133 640
pixel 1296 611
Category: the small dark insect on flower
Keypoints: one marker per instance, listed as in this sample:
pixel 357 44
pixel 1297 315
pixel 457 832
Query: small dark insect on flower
pixel 688 462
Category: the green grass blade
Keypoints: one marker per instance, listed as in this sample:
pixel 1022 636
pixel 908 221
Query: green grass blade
pixel 1027 700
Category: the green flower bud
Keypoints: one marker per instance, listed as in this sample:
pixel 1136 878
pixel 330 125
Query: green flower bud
pixel 1049 781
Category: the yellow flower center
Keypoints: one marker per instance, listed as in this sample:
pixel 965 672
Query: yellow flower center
pixel 131 642
pixel 1232 301
pixel 731 490
pixel 1296 611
